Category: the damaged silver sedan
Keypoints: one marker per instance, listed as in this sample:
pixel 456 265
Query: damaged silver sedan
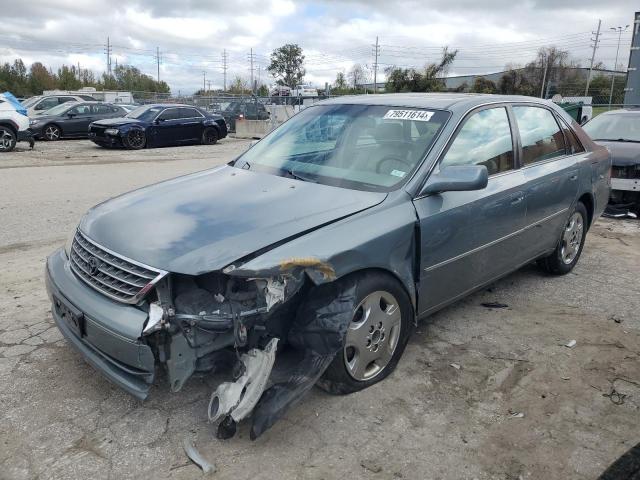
pixel 308 259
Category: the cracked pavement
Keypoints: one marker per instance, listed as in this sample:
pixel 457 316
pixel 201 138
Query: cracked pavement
pixel 61 419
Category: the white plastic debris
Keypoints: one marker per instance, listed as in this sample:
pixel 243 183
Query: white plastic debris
pixel 517 415
pixel 196 457
pixel 571 344
pixel 456 366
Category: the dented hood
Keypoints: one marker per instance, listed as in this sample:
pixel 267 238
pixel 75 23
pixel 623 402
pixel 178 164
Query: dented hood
pixel 623 154
pixel 204 221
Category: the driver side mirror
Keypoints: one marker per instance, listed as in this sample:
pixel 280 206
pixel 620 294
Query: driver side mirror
pixel 158 121
pixel 71 115
pixel 456 179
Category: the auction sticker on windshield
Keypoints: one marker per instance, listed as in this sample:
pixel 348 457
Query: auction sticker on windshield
pixel 417 115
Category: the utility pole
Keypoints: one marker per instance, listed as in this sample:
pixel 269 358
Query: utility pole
pixel 544 77
pixel 593 56
pixel 108 52
pixel 204 82
pixel 615 65
pixel 208 85
pixel 251 58
pixel 376 51
pixel 158 61
pixel 224 69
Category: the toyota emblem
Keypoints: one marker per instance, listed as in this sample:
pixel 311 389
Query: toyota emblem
pixel 94 266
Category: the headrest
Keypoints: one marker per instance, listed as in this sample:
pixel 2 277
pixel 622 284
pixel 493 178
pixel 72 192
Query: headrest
pixel 388 132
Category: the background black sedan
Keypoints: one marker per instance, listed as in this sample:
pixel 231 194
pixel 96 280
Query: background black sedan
pixel 159 126
pixel 71 119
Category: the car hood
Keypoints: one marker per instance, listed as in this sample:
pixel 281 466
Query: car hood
pixel 622 153
pixel 110 122
pixel 202 222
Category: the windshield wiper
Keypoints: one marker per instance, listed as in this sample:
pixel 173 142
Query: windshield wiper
pixel 616 140
pixel 298 176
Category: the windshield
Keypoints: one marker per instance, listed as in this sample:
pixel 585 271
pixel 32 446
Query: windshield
pixel 58 109
pixel 364 147
pixel 144 113
pixel 614 126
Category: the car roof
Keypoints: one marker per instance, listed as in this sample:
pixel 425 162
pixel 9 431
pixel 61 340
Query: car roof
pixel 623 111
pixel 443 101
pixel 167 105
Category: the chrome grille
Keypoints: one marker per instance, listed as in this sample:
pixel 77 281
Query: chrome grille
pixel 111 274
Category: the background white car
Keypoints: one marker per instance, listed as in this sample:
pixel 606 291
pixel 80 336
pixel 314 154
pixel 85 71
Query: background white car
pixel 42 103
pixel 14 123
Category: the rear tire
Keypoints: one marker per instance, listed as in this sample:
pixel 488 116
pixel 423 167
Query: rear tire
pixel 376 338
pixel 52 132
pixel 8 139
pixel 569 248
pixel 135 139
pixel 209 136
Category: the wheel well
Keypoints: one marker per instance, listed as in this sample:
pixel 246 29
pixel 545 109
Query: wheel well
pixel 389 273
pixel 9 126
pixel 587 201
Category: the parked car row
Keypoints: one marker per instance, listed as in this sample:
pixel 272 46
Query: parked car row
pixel 106 124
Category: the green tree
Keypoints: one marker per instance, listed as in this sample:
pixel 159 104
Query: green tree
pixel 263 91
pixel 67 78
pixel 40 79
pixel 341 82
pixel 239 86
pixel 430 79
pixel 483 85
pixel 287 65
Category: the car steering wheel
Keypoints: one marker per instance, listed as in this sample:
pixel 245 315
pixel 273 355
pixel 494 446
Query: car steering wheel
pixel 392 158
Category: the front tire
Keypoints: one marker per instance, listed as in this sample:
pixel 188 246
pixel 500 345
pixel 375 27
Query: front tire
pixel 376 337
pixel 8 139
pixel 52 133
pixel 570 245
pixel 135 139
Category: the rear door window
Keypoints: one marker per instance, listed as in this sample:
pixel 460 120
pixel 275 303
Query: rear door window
pixel 573 144
pixel 46 104
pixel 190 113
pixel 484 139
pixel 540 134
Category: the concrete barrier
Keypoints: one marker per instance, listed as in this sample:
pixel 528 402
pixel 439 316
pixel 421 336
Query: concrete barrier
pixel 253 128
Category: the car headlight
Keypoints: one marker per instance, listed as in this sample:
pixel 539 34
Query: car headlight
pixel 69 243
pixel 111 131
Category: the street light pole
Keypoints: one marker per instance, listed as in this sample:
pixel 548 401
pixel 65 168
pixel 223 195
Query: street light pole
pixel 613 76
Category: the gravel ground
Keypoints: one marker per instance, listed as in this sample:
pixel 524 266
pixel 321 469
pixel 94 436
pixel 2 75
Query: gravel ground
pixel 521 405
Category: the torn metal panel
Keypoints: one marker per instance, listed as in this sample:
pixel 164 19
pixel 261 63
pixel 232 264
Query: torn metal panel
pixel 238 398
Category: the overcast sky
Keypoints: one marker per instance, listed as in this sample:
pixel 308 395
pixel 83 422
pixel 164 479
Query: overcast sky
pixel 334 34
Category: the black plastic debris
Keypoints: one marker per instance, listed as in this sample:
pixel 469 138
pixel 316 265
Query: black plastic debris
pixel 494 305
pixel 315 337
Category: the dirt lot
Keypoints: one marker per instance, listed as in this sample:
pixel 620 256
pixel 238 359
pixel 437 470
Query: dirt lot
pixel 521 405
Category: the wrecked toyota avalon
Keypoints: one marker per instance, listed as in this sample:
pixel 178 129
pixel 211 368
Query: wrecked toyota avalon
pixel 308 259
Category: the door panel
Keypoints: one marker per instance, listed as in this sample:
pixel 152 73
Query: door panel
pixel 191 125
pixel 168 129
pixel 79 124
pixel 469 238
pixel 550 175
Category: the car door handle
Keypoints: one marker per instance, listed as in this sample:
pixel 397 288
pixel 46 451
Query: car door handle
pixel 573 178
pixel 517 199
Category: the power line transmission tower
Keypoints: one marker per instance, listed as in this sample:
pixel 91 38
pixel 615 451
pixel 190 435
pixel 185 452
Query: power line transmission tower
pixel 204 82
pixel 224 69
pixel 158 61
pixel 593 56
pixel 376 52
pixel 107 51
pixel 615 65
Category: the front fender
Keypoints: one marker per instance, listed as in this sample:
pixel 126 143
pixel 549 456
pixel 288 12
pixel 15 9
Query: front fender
pixel 379 238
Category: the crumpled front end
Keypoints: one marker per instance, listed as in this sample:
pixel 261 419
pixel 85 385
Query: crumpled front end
pixel 273 334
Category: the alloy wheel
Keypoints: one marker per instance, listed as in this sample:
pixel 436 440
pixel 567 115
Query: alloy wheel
pixel 135 138
pixel 373 335
pixel 52 133
pixel 572 238
pixel 7 140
